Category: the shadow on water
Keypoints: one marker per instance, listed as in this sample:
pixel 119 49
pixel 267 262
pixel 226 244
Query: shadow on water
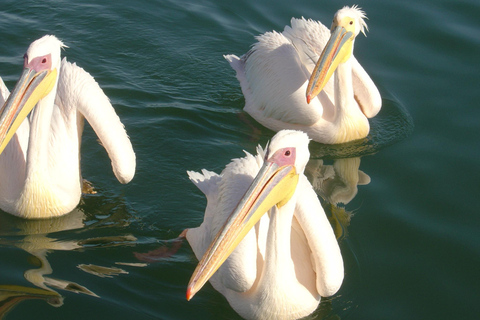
pixel 42 238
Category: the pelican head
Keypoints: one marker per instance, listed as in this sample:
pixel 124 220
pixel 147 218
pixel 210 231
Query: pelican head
pixel 285 158
pixel 39 77
pixel 347 23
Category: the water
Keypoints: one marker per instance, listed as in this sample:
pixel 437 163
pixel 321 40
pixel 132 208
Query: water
pixel 411 249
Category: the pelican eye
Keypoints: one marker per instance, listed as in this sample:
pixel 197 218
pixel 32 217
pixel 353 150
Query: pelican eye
pixel 44 60
pixel 287 153
pixel 351 22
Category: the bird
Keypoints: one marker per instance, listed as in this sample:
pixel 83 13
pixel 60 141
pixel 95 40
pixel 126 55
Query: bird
pixel 41 126
pixel 276 72
pixel 265 242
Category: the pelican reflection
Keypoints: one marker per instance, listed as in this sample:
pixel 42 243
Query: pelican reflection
pixel 337 184
pixel 43 238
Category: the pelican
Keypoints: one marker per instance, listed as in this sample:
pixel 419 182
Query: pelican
pixel 41 126
pixel 264 222
pixel 276 73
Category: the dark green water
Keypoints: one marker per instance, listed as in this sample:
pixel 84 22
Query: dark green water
pixel 412 248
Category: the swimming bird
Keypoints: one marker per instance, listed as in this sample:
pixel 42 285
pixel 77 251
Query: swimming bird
pixel 276 73
pixel 265 231
pixel 41 126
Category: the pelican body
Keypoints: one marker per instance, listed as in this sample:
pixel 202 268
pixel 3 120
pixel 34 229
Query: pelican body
pixel 41 125
pixel 277 72
pixel 265 242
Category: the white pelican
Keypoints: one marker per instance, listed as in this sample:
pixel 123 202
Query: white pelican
pixel 40 163
pixel 274 75
pixel 289 257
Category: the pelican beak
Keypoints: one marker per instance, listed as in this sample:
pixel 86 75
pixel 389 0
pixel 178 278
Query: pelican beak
pixel 31 87
pixel 274 184
pixel 338 50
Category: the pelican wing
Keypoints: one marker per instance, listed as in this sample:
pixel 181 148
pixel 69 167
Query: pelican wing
pixel 366 92
pixel 223 192
pixel 77 88
pixel 309 38
pixel 236 273
pixel 199 238
pixel 274 80
pixel 4 93
pixel 239 271
pixel 326 256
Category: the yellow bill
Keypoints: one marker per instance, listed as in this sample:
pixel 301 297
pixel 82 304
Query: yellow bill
pixel 338 50
pixel 30 88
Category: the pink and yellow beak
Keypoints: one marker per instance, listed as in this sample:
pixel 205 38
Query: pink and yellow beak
pixel 274 184
pixel 338 50
pixel 30 88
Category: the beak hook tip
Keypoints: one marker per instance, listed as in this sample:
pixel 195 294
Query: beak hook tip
pixel 189 294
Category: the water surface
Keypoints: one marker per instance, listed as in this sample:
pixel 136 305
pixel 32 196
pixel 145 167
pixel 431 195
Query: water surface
pixel 411 249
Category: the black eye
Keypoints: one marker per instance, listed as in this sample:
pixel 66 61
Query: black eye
pixel 351 22
pixel 44 60
pixel 287 153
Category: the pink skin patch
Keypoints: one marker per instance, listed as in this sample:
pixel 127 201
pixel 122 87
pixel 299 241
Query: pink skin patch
pixel 38 63
pixel 284 157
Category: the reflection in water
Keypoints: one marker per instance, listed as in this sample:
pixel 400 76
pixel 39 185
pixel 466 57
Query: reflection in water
pixel 337 184
pixel 37 238
pixel 102 272
pixel 11 295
